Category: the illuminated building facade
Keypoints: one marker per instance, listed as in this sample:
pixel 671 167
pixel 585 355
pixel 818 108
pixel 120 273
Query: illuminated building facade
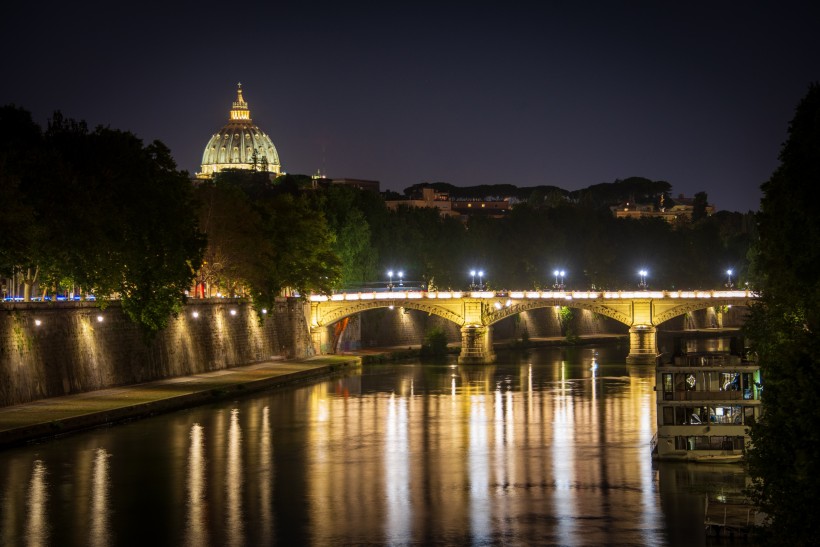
pixel 240 145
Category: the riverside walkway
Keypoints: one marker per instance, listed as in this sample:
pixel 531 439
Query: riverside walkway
pixel 59 415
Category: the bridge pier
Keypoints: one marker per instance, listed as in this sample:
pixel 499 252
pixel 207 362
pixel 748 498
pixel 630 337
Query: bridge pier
pixel 322 340
pixel 476 345
pixel 643 345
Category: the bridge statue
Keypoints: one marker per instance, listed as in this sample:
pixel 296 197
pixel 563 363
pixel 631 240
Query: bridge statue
pixel 476 312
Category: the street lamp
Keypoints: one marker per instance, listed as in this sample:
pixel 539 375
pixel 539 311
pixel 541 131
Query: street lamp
pixel 481 280
pixel 643 274
pixel 557 274
pixel 390 280
pixel 401 278
pixel 472 279
pixel 729 284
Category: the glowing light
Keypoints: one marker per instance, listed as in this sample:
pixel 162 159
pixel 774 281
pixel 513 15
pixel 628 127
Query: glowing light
pixel 264 311
pixel 195 314
pixel 37 322
pixel 233 312
pixel 100 319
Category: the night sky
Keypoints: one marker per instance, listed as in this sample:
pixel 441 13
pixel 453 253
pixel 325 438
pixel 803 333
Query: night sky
pixel 567 94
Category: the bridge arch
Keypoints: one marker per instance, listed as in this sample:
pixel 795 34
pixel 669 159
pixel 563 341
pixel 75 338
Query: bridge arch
pixel 526 305
pixel 689 306
pixel 339 313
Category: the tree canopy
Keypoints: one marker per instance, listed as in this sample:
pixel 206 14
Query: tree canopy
pixel 265 236
pixel 783 327
pixel 100 209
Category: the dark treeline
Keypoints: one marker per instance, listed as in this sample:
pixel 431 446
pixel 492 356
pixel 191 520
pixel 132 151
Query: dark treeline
pixel 522 249
pixel 638 189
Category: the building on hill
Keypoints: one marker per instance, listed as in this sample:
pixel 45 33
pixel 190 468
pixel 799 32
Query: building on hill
pixel 488 207
pixel 675 210
pixel 430 198
pixel 240 144
pixel 493 207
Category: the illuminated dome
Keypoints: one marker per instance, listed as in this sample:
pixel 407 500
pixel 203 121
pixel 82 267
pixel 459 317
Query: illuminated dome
pixel 240 145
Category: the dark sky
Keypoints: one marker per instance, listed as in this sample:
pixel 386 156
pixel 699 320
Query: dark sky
pixel 568 94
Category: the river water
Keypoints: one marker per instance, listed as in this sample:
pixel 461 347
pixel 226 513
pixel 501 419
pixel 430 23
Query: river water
pixel 551 447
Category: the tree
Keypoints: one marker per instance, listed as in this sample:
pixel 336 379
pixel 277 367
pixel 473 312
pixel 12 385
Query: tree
pixel 355 250
pixel 785 453
pixel 99 208
pixel 20 146
pixel 265 237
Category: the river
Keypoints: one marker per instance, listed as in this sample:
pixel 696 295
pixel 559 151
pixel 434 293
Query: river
pixel 549 447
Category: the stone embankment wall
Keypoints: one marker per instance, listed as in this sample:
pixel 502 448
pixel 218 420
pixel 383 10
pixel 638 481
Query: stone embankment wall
pixel 52 349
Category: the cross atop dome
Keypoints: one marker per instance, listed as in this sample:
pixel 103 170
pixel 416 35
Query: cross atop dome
pixel 240 110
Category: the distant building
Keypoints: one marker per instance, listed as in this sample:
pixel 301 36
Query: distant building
pixel 495 208
pixel 674 210
pixel 464 208
pixel 430 198
pixel 239 145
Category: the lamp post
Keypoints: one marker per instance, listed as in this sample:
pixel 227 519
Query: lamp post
pixel 401 278
pixel 390 280
pixel 481 280
pixel 557 274
pixel 643 274
pixel 472 279
pixel 729 284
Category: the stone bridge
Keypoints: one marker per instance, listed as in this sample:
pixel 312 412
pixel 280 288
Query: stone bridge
pixel 476 312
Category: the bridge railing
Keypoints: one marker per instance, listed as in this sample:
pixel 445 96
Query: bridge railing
pixel 528 295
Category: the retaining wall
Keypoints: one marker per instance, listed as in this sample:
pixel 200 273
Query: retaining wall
pixel 53 349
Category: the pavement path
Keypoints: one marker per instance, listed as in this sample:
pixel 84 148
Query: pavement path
pixel 59 415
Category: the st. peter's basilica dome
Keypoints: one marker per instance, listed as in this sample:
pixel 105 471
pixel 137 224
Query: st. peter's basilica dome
pixel 240 145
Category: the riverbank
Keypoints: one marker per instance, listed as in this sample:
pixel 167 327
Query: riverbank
pixel 60 415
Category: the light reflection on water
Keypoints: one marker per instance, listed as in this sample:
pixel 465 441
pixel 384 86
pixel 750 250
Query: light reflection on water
pixel 100 533
pixel 196 533
pixel 37 521
pixel 540 449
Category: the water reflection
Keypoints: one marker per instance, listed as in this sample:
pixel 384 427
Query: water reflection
pixel 563 460
pixel 196 529
pixel 397 472
pixel 100 526
pixel 478 475
pixel 37 521
pixel 540 448
pixel 265 479
pixel 233 483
